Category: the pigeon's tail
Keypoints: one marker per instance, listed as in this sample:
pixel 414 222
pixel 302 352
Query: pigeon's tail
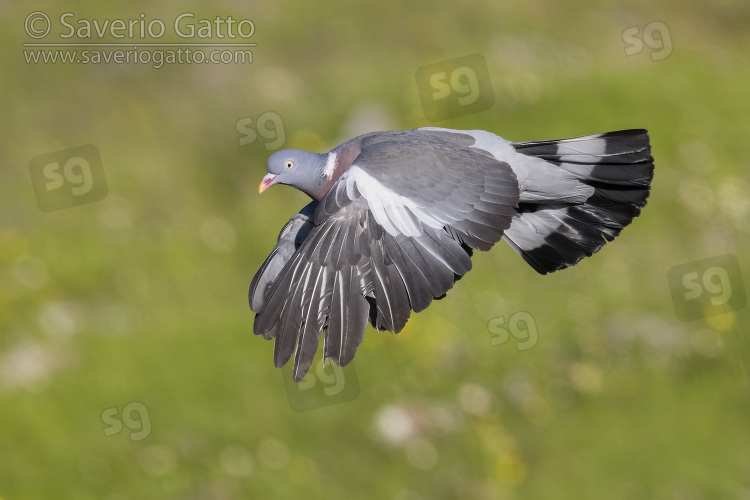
pixel 577 194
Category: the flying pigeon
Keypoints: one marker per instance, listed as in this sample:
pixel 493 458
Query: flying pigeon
pixel 395 217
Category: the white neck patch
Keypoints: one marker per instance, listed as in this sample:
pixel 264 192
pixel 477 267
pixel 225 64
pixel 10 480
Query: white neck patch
pixel 330 165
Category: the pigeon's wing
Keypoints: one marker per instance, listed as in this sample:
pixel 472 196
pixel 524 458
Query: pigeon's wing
pixel 392 234
pixel 290 238
pixel 439 180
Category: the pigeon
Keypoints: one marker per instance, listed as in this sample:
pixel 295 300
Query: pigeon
pixel 395 218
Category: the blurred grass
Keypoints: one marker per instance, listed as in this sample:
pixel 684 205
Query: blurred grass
pixel 142 296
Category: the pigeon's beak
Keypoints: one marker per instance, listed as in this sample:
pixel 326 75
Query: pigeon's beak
pixel 266 182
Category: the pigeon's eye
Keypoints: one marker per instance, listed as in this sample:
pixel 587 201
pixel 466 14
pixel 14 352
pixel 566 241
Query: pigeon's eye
pixel 289 164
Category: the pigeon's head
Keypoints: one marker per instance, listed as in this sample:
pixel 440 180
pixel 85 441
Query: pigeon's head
pixel 297 168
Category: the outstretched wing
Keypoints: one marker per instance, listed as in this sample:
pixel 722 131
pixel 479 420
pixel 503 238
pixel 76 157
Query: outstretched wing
pixel 392 234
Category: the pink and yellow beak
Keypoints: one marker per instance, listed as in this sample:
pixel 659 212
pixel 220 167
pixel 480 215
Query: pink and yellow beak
pixel 267 181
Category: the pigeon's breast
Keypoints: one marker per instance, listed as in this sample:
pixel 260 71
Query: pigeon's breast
pixel 345 156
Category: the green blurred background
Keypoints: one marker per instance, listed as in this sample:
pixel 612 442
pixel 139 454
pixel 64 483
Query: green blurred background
pixel 141 297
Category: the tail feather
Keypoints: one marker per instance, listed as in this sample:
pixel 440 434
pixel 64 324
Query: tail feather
pixel 619 168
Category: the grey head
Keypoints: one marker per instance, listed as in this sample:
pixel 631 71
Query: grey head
pixel 303 170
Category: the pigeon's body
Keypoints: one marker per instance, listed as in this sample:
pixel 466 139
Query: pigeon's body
pixel 396 215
